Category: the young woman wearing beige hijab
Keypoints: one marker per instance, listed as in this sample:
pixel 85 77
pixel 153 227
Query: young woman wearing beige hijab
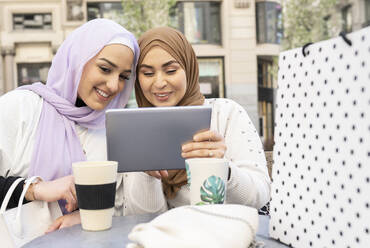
pixel 167 75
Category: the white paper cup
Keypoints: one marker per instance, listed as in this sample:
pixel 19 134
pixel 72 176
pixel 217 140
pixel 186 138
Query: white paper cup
pixel 208 179
pixel 96 188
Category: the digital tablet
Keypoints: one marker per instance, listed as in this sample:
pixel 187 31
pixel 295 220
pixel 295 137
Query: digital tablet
pixel 144 139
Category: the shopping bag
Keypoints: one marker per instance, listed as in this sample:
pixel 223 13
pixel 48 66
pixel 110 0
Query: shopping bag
pixel 27 221
pixel 321 177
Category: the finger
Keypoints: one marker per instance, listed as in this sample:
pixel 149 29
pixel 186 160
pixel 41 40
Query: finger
pixel 65 224
pixel 74 207
pixel 202 136
pixel 69 198
pixel 203 145
pixel 71 202
pixel 71 220
pixel 201 131
pixel 208 136
pixel 155 174
pixel 73 191
pixel 163 173
pixel 205 153
pixel 196 154
pixel 72 188
pixel 55 225
pixel 70 207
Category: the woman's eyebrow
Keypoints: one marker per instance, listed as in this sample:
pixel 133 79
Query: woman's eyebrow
pixel 113 64
pixel 164 65
pixel 169 63
pixel 109 62
pixel 147 66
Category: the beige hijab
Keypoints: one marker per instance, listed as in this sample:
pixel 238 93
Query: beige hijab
pixel 175 43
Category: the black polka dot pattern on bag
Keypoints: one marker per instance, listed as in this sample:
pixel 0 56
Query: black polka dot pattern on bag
pixel 321 179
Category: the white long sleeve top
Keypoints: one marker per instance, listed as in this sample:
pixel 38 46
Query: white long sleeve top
pixel 249 182
pixel 137 192
pixel 20 112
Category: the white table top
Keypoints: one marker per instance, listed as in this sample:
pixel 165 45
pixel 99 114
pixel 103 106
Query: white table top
pixel 117 236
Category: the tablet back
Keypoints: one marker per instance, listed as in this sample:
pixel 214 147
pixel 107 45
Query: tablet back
pixel 145 139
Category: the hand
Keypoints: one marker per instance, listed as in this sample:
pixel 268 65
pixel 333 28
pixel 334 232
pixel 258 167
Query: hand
pixel 61 188
pixel 65 221
pixel 205 144
pixel 158 174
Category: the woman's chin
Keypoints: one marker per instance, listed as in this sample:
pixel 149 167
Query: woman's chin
pixel 96 106
pixel 167 103
pixel 163 104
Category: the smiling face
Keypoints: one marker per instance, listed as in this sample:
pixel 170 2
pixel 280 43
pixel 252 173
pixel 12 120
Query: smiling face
pixel 104 76
pixel 161 78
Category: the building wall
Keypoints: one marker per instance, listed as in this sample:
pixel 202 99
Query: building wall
pixel 239 48
pixel 243 60
pixel 27 45
pixel 357 12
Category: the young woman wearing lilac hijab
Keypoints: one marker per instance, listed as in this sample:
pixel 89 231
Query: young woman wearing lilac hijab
pixel 45 128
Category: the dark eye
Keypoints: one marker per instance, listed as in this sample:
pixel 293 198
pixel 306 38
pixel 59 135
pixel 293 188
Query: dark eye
pixel 172 71
pixel 104 69
pixel 123 77
pixel 148 74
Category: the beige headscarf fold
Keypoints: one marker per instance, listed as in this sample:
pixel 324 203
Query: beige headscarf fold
pixel 175 43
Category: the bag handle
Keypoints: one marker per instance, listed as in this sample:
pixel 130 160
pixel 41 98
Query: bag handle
pixel 18 224
pixel 9 194
pixel 25 189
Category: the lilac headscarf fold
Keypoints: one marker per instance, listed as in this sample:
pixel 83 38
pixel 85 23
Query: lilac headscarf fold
pixel 57 145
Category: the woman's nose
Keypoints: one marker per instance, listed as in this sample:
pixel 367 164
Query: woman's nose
pixel 113 85
pixel 160 81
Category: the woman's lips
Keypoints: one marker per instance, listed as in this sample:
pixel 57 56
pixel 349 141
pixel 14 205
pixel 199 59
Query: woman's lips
pixel 162 97
pixel 103 96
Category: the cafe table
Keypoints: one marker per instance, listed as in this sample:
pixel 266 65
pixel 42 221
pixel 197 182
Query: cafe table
pixel 117 236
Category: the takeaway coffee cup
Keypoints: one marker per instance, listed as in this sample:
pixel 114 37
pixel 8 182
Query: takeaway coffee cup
pixel 207 178
pixel 96 189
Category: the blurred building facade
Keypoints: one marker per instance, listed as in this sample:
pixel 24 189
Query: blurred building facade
pixel 352 15
pixel 235 41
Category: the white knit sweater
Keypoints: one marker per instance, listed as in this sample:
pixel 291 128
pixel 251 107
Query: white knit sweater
pixel 249 183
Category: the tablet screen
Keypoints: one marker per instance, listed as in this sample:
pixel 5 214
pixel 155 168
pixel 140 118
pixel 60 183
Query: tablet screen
pixel 144 139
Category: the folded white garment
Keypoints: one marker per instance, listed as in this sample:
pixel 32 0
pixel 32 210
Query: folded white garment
pixel 215 226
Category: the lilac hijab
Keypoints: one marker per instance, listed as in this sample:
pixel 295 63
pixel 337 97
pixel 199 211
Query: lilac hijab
pixel 57 145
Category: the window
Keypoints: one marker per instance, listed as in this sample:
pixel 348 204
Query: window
pixel 211 77
pixel 326 26
pixel 269 22
pixel 200 22
pixel 103 10
pixel 367 13
pixel 266 102
pixel 347 19
pixel 32 72
pixel 74 10
pixel 32 21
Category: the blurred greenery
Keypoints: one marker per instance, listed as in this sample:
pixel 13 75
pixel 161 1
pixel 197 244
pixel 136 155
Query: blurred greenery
pixel 142 15
pixel 139 16
pixel 307 21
